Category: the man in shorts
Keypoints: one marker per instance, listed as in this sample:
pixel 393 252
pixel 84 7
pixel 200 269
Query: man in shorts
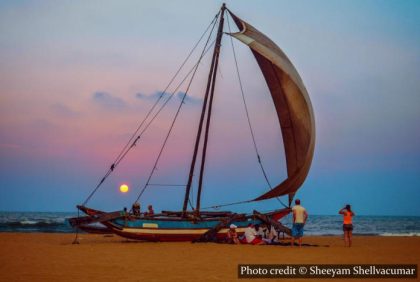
pixel 299 219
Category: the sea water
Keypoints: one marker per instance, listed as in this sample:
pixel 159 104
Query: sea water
pixel 362 225
pixel 57 222
pixel 52 222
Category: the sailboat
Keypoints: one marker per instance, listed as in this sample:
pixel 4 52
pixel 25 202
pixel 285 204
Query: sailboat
pixel 296 122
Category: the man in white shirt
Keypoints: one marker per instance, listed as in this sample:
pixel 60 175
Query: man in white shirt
pixel 251 236
pixel 299 219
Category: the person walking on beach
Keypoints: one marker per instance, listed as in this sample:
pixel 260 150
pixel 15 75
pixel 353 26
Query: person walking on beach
pixel 299 219
pixel 347 224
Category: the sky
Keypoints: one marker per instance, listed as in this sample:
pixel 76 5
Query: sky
pixel 77 77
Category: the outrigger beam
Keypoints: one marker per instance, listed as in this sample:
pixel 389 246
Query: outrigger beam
pixel 93 216
pixel 77 221
pixel 268 220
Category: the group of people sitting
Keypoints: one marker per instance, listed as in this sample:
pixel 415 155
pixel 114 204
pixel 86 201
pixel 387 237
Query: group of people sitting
pixel 265 234
pixel 254 234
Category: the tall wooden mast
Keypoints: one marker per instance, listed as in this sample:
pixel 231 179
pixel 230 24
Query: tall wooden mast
pixel 213 83
pixel 207 106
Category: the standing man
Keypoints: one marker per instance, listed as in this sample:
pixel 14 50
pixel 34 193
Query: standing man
pixel 299 219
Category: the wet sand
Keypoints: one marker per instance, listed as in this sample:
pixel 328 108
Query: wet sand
pixel 53 257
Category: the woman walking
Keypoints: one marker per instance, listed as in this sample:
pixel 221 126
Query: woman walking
pixel 347 224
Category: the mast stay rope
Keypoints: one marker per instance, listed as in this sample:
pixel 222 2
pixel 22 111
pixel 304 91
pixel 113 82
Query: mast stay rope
pixel 128 147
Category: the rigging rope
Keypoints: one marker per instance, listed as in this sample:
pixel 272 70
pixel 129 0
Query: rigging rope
pixel 172 94
pixel 247 116
pixel 167 185
pixel 205 49
pixel 226 205
pixel 128 147
pixel 166 102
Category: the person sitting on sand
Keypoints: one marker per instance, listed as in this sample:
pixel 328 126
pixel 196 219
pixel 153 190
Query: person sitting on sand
pixel 251 236
pixel 274 234
pixel 261 229
pixel 136 209
pixel 271 234
pixel 232 236
pixel 263 233
pixel 347 224
pixel 299 219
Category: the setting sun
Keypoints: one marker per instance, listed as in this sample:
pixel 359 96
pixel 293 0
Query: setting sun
pixel 124 188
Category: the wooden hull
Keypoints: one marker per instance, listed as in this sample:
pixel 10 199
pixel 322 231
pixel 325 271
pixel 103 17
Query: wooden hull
pixel 163 228
pixel 161 233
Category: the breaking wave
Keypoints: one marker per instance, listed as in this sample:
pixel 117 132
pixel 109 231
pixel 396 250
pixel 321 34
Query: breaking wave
pixel 34 222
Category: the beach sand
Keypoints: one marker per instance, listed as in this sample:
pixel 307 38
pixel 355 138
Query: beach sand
pixel 53 257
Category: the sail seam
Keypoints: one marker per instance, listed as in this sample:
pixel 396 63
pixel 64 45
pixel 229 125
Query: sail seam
pixel 290 119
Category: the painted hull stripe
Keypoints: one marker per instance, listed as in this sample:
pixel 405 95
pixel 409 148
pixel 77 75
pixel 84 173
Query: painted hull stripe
pixel 175 231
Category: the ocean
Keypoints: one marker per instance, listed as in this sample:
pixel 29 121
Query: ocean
pixel 56 222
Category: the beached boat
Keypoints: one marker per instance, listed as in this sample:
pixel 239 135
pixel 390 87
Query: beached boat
pixel 296 120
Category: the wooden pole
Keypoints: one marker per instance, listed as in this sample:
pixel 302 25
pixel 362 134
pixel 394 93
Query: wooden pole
pixel 206 136
pixel 203 111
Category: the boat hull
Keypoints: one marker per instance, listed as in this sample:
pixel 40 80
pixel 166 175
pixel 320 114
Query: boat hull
pixel 165 228
pixel 174 230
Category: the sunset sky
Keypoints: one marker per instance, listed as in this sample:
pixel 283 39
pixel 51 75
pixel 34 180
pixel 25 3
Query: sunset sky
pixel 77 77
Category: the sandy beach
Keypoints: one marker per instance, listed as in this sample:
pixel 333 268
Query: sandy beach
pixel 53 257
